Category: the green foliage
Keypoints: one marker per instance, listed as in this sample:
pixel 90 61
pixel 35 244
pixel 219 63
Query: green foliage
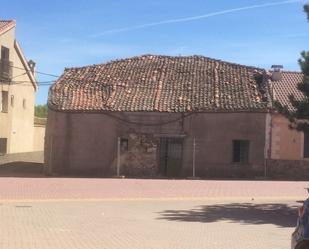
pixel 299 115
pixel 40 111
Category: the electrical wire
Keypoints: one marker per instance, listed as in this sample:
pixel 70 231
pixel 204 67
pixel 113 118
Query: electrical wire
pixel 96 81
pixel 19 75
pixel 149 124
pixel 38 72
pixel 40 83
pixel 183 116
pixel 49 83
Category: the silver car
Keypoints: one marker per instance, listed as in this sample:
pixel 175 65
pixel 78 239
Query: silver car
pixel 300 237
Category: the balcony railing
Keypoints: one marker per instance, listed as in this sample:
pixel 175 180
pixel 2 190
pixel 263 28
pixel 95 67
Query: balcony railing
pixel 5 70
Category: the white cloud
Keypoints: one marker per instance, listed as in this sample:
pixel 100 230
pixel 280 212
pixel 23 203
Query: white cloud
pixel 193 18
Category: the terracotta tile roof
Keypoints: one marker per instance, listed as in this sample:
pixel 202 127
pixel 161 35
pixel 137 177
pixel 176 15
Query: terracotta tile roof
pixel 5 25
pixel 160 83
pixel 287 86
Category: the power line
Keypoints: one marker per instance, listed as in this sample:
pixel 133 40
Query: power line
pixel 187 87
pixel 149 124
pixel 183 116
pixel 19 75
pixel 38 72
pixel 187 93
pixel 40 83
pixel 100 82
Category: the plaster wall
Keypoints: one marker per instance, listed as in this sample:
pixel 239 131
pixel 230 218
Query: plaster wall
pixel 88 142
pixel 286 144
pixel 17 123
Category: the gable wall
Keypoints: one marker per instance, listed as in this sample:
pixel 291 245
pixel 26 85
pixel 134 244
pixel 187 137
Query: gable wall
pixel 17 124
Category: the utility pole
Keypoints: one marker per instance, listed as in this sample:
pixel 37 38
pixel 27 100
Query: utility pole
pixel 118 156
pixel 49 165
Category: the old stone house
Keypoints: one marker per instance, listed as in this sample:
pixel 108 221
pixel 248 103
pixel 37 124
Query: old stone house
pixel 17 92
pixel 159 116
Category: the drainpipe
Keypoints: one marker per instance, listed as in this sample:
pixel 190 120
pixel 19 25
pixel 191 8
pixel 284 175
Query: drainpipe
pixel 49 165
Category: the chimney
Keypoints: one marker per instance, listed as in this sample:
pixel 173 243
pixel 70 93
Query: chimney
pixel 276 72
pixel 31 65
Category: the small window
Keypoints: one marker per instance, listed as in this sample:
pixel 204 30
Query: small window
pixel 241 151
pixel 24 103
pixel 5 53
pixel 12 100
pixel 3 146
pixel 4 101
pixel 306 144
pixel 124 144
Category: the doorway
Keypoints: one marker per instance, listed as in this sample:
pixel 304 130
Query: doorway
pixel 171 156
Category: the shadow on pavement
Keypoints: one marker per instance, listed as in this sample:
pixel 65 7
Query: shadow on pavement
pixel 21 169
pixel 281 215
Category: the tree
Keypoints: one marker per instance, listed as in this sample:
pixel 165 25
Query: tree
pixel 299 116
pixel 306 8
pixel 40 111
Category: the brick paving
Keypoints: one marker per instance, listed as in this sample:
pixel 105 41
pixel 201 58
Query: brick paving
pixel 143 225
pixel 80 213
pixel 91 188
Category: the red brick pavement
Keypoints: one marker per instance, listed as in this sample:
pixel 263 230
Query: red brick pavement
pixel 88 188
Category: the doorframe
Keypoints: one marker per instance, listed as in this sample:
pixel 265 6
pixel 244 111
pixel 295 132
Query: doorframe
pixel 169 136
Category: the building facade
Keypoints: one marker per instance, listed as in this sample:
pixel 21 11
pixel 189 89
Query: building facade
pixel 159 116
pixel 17 90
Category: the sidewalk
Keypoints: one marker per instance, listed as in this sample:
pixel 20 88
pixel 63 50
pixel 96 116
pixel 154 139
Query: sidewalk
pixel 14 188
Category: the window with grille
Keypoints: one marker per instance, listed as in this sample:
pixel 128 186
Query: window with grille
pixel 124 144
pixel 4 101
pixel 5 64
pixel 5 53
pixel 3 146
pixel 241 151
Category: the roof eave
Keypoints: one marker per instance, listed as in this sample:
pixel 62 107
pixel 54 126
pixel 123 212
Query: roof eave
pixel 11 24
pixel 25 64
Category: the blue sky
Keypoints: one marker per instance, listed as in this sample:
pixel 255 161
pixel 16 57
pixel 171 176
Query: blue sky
pixel 58 34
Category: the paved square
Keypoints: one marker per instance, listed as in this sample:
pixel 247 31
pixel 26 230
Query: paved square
pixel 43 213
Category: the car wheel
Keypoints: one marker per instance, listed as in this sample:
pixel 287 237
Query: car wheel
pixel 303 245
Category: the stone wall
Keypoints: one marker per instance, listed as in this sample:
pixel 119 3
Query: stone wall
pixel 140 157
pixel 288 169
pixel 227 171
